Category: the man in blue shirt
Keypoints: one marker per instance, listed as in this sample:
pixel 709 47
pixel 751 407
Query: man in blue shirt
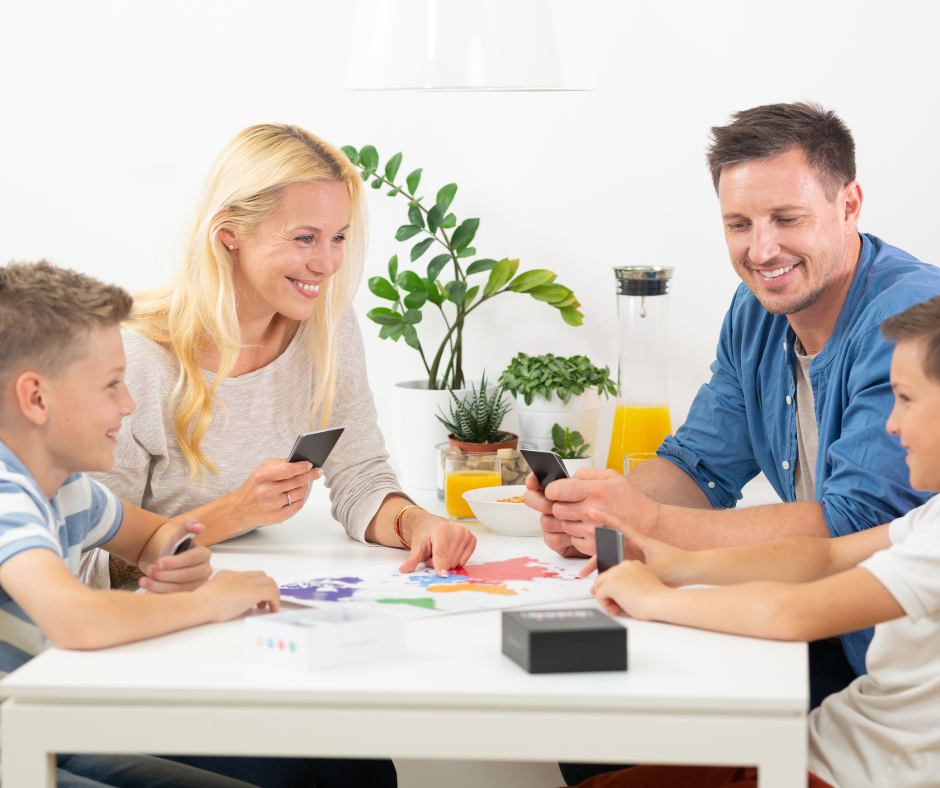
pixel 800 387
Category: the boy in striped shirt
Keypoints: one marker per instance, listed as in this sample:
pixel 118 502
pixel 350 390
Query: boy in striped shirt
pixel 62 399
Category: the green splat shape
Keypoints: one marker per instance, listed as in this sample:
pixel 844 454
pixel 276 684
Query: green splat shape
pixel 425 603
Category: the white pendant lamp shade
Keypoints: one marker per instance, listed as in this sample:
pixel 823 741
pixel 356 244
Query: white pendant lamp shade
pixel 467 45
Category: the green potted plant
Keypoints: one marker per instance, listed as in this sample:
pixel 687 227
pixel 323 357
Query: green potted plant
pixel 552 390
pixel 571 447
pixel 473 424
pixel 454 283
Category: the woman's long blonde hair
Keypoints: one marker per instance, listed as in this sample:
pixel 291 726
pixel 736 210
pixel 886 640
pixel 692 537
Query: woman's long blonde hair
pixel 199 309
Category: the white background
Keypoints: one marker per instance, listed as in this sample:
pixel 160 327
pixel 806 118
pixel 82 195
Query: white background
pixel 113 112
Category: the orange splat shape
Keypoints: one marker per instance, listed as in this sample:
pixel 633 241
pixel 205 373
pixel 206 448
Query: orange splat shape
pixel 484 588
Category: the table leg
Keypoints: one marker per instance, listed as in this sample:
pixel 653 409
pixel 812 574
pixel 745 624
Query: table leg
pixel 23 764
pixel 784 764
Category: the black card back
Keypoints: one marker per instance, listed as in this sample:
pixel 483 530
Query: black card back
pixel 315 447
pixel 546 465
pixel 609 542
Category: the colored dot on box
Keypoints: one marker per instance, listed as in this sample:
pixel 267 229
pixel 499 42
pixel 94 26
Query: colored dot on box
pixel 293 647
pixel 270 642
pixel 259 641
pixel 280 645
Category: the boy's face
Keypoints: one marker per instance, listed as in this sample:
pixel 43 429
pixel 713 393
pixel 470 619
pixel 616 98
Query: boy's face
pixel 915 418
pixel 86 405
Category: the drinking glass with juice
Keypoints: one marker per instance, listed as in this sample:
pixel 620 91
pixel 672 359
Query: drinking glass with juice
pixel 468 474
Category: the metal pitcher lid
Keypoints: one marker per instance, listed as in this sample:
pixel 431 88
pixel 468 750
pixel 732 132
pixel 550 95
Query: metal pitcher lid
pixel 643 280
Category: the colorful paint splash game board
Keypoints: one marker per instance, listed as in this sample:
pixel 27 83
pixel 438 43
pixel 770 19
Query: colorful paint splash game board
pixel 505 580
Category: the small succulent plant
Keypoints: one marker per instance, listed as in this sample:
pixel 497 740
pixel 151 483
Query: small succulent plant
pixel 477 418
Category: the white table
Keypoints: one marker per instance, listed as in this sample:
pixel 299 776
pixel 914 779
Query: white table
pixel 688 697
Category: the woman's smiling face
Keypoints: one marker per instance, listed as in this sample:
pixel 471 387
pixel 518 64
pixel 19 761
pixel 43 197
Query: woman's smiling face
pixel 280 268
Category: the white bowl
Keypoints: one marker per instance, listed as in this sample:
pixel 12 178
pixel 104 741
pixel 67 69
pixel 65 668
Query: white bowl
pixel 508 519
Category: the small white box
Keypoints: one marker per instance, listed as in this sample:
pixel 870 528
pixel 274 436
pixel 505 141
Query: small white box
pixel 321 638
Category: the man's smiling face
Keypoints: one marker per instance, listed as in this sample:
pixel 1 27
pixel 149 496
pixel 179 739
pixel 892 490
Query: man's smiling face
pixel 784 236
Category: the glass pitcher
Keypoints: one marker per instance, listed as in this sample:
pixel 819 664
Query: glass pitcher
pixel 641 420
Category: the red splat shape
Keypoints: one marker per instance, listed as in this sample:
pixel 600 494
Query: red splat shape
pixel 512 569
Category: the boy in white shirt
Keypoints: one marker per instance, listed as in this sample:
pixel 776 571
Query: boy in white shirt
pixel 883 729
pixel 62 399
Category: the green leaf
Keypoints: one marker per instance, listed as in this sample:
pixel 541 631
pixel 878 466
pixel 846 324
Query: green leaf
pixel 571 316
pixel 500 274
pixel 456 291
pixel 420 248
pixel 415 216
pixel 531 279
pixel 393 192
pixel 435 217
pixel 366 174
pixel 550 293
pixel 480 265
pixel 449 221
pixel 434 295
pixel 377 183
pixel 569 301
pixel 410 281
pixel 406 231
pixel 383 288
pixel 468 252
pixel 558 436
pixel 393 268
pixel 514 266
pixel 351 153
pixel 437 265
pixel 463 235
pixel 369 157
pixel 411 337
pixel 391 167
pixel 387 331
pixel 415 202
pixel 471 294
pixel 446 196
pixel 397 335
pixel 384 318
pixel 412 316
pixel 413 180
pixel 416 299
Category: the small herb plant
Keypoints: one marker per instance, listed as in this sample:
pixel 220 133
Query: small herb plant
pixel 568 445
pixel 450 280
pixel 567 377
pixel 477 419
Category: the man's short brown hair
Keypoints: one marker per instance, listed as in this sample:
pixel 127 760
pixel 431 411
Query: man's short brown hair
pixel 46 313
pixel 920 322
pixel 772 130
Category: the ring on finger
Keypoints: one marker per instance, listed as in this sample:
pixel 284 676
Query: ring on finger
pixel 289 501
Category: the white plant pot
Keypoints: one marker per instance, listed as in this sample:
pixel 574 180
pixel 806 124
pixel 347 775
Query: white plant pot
pixel 587 461
pixel 416 431
pixel 579 415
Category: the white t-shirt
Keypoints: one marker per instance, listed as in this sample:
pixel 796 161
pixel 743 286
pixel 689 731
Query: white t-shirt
pixel 884 728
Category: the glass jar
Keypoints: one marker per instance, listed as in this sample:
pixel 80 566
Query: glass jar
pixel 465 474
pixel 641 419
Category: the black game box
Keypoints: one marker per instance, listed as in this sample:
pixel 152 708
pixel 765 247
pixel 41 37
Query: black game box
pixel 564 641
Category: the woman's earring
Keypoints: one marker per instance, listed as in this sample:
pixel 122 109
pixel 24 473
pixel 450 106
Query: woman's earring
pixel 232 247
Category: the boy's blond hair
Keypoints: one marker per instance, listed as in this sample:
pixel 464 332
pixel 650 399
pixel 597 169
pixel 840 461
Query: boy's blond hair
pixel 919 322
pixel 46 313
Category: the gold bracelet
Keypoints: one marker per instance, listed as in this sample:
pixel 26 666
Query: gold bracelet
pixel 398 524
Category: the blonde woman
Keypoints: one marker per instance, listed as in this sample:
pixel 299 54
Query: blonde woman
pixel 252 344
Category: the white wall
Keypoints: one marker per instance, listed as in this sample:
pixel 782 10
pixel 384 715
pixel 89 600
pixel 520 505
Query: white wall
pixel 113 112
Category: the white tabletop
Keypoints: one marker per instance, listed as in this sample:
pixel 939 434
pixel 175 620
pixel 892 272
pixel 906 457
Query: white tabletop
pixel 455 660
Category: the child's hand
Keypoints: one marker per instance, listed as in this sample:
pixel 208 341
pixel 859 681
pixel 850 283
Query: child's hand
pixel 230 594
pixel 670 564
pixel 631 588
pixel 184 572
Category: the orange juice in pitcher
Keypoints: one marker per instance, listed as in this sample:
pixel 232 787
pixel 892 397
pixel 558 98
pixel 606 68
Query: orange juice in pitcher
pixel 641 420
pixel 637 428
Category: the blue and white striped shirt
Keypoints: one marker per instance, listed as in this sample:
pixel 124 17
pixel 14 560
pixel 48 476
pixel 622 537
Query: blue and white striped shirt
pixel 83 514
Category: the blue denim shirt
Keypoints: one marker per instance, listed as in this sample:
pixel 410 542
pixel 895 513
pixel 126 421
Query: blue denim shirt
pixel 742 422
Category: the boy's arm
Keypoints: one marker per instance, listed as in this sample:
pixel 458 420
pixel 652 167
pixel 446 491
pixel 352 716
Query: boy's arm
pixel 76 617
pixel 141 536
pixel 795 560
pixel 834 605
